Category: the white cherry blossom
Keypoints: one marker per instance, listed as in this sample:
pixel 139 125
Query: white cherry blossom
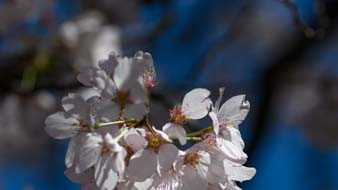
pixel 113 144
pixel 230 114
pixel 194 170
pixel 159 156
pixel 73 123
pixel 125 92
pixel 106 156
pixel 196 105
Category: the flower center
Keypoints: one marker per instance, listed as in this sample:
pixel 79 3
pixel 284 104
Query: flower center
pixel 105 150
pixel 130 153
pixel 122 98
pixel 154 142
pixel 191 159
pixel 84 127
pixel 148 80
pixel 176 115
pixel 209 139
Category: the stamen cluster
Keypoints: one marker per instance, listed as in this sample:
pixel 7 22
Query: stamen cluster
pixel 113 144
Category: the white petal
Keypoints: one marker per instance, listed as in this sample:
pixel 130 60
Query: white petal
pixel 77 106
pixel 109 65
pixel 89 186
pixel 91 77
pixel 60 126
pixel 119 162
pixel 107 110
pixel 176 132
pixel 196 103
pixel 145 61
pixel 138 94
pixel 71 152
pixel 168 181
pixel 109 89
pixel 84 177
pixel 123 73
pixel 192 181
pixel 236 137
pixel 162 134
pixel 238 172
pixel 89 152
pixel 142 165
pixel 234 110
pixel 216 172
pixel 167 155
pixel 144 185
pixel 106 178
pixel 231 151
pixel 215 122
pixel 218 102
pixel 135 111
pixel 204 163
pixel 135 140
pixel 112 143
pixel 74 146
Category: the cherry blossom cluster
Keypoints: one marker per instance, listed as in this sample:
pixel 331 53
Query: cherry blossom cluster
pixel 114 145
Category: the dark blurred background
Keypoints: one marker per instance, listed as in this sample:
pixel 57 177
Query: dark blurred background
pixel 282 53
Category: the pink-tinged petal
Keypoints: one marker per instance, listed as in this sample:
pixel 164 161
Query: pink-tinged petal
pixel 135 140
pixel 85 177
pixel 167 155
pixel 238 172
pixel 175 131
pixel 146 69
pixel 135 111
pixel 142 165
pixel 234 110
pixel 231 151
pixel 191 180
pixel 196 103
pixel 105 177
pixel 89 152
pixel 60 126
pixel 215 122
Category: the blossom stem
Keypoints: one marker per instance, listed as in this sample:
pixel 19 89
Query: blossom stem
pixel 194 138
pixel 118 122
pixel 111 123
pixel 123 131
pixel 200 132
